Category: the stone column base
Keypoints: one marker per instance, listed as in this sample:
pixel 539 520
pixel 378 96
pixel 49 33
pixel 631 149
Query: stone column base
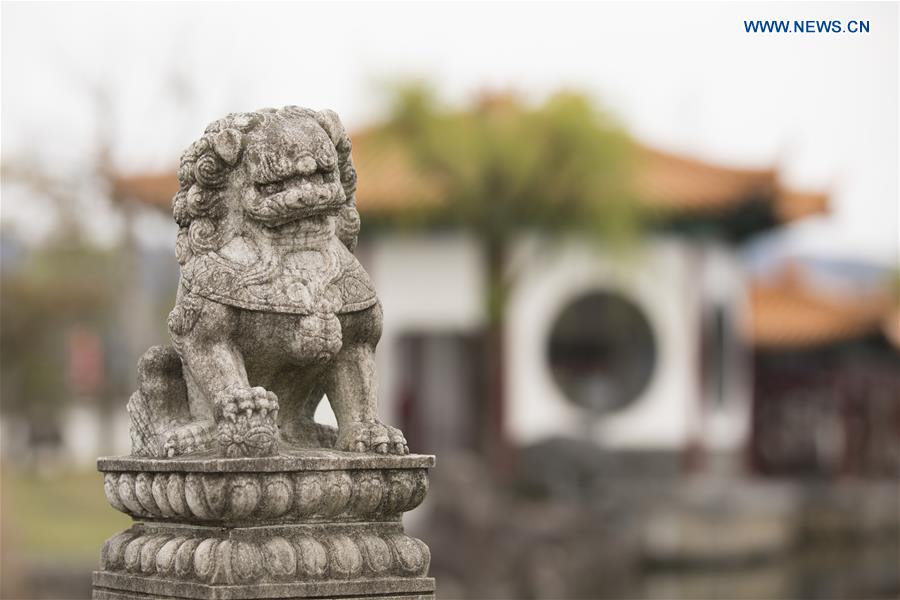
pixel 308 524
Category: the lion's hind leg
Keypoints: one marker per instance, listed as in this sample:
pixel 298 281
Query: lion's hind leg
pixel 162 424
pixel 189 437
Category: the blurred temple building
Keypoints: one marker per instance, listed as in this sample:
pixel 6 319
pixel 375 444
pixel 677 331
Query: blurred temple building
pixel 670 349
pixel 826 377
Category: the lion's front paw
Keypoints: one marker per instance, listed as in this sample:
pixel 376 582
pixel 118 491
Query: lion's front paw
pixel 371 436
pixel 246 422
pixel 187 438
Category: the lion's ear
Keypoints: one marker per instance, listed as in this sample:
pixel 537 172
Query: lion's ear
pixel 331 123
pixel 227 144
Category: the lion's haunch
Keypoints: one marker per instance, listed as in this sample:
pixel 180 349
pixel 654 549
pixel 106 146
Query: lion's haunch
pixel 296 203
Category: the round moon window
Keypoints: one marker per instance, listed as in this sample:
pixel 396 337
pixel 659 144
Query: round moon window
pixel 601 351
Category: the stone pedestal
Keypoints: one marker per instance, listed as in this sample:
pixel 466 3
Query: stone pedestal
pixel 304 524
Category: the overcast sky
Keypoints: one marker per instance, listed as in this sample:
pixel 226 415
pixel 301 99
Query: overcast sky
pixel 685 77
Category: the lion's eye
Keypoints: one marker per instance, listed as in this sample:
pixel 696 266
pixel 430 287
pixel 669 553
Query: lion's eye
pixel 326 158
pixel 270 188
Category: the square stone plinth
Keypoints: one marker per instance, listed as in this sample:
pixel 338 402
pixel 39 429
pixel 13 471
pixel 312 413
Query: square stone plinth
pixel 115 586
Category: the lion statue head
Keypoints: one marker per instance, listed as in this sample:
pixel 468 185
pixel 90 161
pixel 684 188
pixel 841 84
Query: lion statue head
pixel 269 168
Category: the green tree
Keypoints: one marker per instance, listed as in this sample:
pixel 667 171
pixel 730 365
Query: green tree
pixel 505 167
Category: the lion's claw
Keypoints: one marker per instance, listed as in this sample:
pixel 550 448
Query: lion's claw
pixel 247 421
pixel 373 437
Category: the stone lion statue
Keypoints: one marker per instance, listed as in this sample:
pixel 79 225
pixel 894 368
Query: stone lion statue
pixel 273 311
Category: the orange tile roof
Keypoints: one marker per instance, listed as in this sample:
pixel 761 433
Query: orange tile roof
pixel 387 179
pixel 666 183
pixel 791 205
pixel 669 182
pixel 152 189
pixel 789 313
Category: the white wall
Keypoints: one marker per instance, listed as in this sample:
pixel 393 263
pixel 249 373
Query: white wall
pixel 86 435
pixel 431 283
pixel 657 278
pixel 425 282
pixel 725 427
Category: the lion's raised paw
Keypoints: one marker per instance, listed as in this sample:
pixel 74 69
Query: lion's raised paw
pixel 246 421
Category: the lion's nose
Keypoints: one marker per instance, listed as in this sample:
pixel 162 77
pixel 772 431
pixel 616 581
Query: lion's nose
pixel 307 165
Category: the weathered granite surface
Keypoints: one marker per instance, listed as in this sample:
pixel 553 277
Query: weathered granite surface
pixel 273 310
pixel 272 527
pixel 235 491
pixel 299 487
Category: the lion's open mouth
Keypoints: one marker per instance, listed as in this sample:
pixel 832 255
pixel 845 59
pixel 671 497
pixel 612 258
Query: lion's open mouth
pixel 296 198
